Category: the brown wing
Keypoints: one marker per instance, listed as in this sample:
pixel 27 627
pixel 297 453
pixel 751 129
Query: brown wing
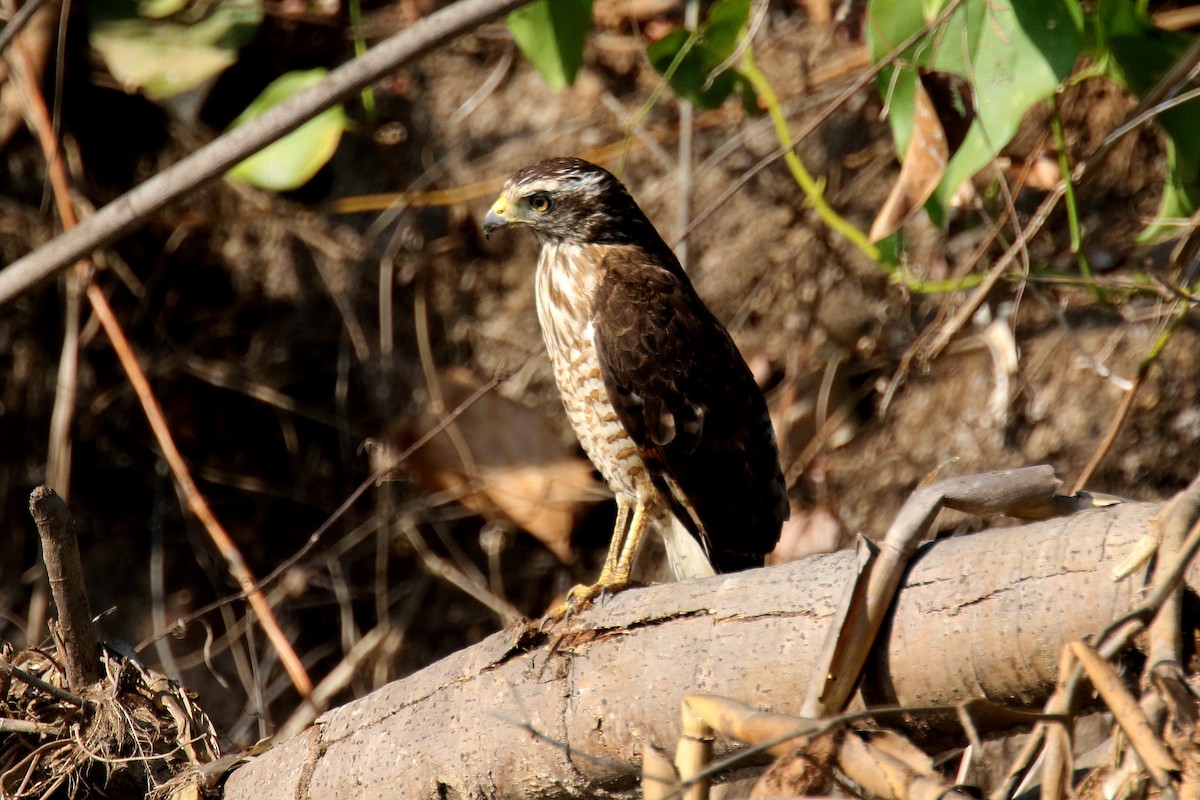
pixel 688 400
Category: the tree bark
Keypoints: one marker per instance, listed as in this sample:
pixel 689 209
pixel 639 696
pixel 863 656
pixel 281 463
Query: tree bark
pixel 984 615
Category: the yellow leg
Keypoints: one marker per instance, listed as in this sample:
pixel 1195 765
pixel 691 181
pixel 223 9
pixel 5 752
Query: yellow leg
pixel 631 546
pixel 615 545
pixel 614 576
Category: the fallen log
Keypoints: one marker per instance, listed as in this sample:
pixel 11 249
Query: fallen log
pixel 523 714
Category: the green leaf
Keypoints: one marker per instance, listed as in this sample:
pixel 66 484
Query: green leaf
pixel 551 34
pixel 163 48
pixel 1026 49
pixel 1138 54
pixel 1014 54
pixel 713 44
pixel 293 160
pixel 720 33
pixel 891 22
pixel 931 8
pixel 1181 192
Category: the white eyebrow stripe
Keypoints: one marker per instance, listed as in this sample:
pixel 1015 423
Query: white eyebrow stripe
pixel 553 183
pixel 542 185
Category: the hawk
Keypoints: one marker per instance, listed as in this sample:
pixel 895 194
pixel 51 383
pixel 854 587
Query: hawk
pixel 654 386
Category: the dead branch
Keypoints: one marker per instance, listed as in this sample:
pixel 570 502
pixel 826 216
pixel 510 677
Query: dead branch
pixel 60 551
pixel 984 616
pixel 1027 492
pixel 135 206
pixel 18 22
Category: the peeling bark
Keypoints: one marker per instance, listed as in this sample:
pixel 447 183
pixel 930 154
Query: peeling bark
pixel 984 615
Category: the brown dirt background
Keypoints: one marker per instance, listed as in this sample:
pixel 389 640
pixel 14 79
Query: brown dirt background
pixel 234 299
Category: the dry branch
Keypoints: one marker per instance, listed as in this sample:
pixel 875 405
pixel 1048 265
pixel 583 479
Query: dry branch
pixel 135 206
pixel 19 21
pixel 1027 493
pixel 978 616
pixel 60 551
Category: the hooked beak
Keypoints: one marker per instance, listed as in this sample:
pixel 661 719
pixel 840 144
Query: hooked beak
pixel 497 216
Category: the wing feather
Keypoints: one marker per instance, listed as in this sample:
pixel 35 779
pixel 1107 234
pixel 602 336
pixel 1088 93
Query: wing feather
pixel 688 400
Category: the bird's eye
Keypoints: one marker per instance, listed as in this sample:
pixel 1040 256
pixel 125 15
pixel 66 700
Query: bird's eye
pixel 540 202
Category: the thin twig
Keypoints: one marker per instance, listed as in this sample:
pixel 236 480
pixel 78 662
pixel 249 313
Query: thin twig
pixel 489 85
pixel 336 680
pixel 433 385
pixel 211 161
pixel 29 726
pixel 195 500
pixel 914 350
pixel 19 21
pixel 41 685
pixel 66 394
pixel 1118 420
pixel 683 165
pixel 39 118
pixel 58 461
pixel 444 569
pixel 1064 167
pixel 814 190
pixel 372 480
pixel 58 467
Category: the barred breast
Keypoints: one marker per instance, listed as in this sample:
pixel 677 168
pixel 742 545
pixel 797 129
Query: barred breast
pixel 564 285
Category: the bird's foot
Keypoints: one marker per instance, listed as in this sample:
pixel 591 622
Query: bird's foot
pixel 580 598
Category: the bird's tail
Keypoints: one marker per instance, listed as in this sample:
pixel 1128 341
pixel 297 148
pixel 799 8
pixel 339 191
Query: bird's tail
pixel 685 554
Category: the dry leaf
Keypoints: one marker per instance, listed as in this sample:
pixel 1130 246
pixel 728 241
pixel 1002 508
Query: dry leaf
pixel 800 773
pixel 526 475
pixel 924 162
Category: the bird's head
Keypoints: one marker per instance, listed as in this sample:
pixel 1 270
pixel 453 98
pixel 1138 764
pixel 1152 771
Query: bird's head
pixel 569 200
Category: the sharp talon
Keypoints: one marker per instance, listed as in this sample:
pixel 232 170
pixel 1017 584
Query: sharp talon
pixel 580 598
pixel 555 616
